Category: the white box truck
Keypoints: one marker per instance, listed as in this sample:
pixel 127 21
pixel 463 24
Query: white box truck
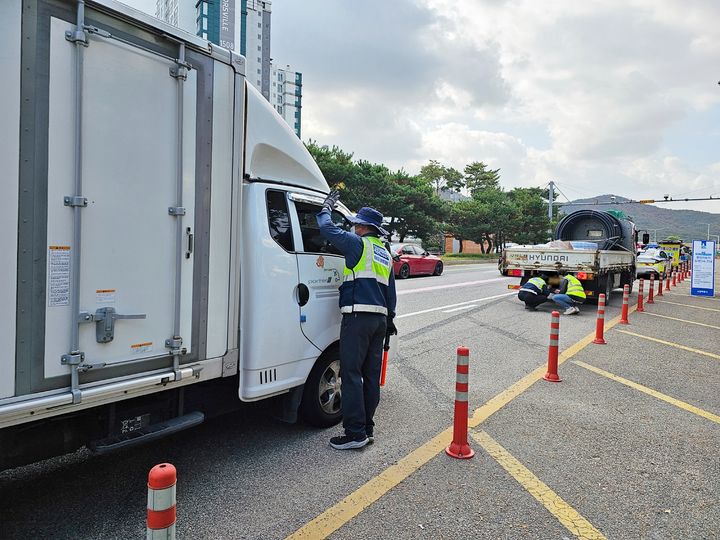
pixel 161 258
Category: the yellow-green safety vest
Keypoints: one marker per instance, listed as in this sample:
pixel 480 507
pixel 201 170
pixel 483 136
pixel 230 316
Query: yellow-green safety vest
pixel 575 288
pixel 369 279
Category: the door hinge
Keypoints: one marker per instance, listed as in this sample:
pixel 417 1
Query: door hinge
pixel 176 210
pixel 74 358
pixel 174 343
pixel 71 200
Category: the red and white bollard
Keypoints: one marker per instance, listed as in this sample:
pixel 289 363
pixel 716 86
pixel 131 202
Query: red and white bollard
pixel 674 278
pixel 667 281
pixel 625 305
pixel 600 324
pixel 660 284
pixel 553 348
pixel 161 514
pixel 641 292
pixel 651 292
pixel 459 448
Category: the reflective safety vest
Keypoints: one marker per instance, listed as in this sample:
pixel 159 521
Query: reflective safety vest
pixel 575 288
pixel 365 287
pixel 536 285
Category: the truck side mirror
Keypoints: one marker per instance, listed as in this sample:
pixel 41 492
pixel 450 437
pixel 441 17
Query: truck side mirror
pixel 646 238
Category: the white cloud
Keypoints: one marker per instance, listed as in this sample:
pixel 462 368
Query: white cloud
pixel 598 96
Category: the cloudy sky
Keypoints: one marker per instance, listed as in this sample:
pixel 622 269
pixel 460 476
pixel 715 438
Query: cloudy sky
pixel 616 96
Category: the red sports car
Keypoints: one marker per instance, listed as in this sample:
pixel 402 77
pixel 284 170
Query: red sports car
pixel 411 260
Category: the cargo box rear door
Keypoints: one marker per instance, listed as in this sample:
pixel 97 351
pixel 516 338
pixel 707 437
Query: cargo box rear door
pixel 131 253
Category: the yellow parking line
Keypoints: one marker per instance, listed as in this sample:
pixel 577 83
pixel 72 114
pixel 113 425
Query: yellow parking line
pixel 687 305
pixel 565 514
pixel 680 320
pixel 343 511
pixel 338 515
pixel 649 391
pixel 671 344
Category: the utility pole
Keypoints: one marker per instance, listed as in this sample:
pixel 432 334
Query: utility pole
pixel 551 194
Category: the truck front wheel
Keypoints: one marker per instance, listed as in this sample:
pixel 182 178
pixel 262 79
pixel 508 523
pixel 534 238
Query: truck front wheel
pixel 322 394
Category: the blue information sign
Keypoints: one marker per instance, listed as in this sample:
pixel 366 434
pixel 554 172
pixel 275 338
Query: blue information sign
pixel 703 268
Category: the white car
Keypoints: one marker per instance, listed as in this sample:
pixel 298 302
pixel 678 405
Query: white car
pixel 653 261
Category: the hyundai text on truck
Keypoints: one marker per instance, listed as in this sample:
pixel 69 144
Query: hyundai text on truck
pixel 596 247
pixel 162 261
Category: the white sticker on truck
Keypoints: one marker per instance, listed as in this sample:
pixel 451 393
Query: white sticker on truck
pixel 105 296
pixel 138 348
pixel 58 292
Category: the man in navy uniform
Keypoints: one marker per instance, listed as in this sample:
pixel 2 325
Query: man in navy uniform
pixel 367 304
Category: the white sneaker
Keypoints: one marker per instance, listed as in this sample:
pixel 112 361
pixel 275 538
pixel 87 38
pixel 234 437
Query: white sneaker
pixel 577 309
pixel 569 311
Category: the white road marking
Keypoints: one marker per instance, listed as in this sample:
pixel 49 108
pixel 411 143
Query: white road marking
pixel 453 286
pixel 454 305
pixel 460 308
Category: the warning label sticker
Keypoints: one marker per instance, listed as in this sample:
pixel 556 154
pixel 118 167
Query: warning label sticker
pixel 58 292
pixel 105 296
pixel 138 348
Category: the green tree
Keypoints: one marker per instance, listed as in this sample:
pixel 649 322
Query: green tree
pixel 479 178
pixel 408 202
pixel 529 224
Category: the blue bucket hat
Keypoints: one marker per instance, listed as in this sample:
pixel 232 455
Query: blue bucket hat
pixel 369 216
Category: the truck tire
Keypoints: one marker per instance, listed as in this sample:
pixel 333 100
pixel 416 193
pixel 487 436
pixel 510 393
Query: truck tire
pixel 605 287
pixel 321 401
pixel 627 279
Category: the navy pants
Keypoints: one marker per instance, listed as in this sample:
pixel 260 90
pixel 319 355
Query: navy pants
pixel 531 299
pixel 361 347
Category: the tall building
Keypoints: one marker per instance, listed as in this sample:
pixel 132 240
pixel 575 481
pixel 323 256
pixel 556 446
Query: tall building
pixel 242 26
pixel 286 95
pixel 180 13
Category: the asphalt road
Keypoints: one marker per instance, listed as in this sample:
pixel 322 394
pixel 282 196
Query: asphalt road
pixel 628 464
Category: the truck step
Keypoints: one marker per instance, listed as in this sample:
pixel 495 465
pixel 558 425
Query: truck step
pixel 147 434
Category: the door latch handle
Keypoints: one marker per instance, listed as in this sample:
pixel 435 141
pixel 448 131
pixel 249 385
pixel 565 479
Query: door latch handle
pixel 190 242
pixel 104 319
pixel 303 294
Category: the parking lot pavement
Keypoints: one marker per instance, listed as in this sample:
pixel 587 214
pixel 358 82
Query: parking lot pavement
pixel 624 447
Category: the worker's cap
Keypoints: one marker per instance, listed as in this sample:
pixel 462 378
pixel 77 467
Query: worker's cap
pixel 369 216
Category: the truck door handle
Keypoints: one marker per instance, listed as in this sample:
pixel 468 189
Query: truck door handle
pixel 104 319
pixel 303 294
pixel 190 242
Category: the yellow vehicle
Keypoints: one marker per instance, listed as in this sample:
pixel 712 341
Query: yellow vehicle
pixel 672 248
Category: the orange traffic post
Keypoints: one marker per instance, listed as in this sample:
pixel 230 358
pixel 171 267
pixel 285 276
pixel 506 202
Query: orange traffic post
pixel 552 369
pixel 161 514
pixel 641 291
pixel 651 292
pixel 660 284
pixel 383 367
pixel 625 305
pixel 674 278
pixel 459 447
pixel 667 281
pixel 600 324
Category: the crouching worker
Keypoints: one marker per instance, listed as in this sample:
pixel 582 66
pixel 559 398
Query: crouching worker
pixel 534 292
pixel 570 294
